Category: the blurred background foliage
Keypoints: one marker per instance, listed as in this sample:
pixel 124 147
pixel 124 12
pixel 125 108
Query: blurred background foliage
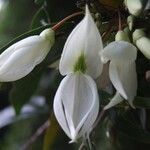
pixel 26 117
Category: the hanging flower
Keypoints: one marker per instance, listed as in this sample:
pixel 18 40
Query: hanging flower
pixel 20 59
pixel 84 40
pixel 76 105
pixel 122 70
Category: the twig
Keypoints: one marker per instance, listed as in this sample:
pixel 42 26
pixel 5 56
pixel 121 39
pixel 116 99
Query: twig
pixel 107 32
pixel 55 27
pixel 119 17
pixel 102 113
pixel 34 137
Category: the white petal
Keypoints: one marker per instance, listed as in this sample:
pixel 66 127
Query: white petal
pixel 84 39
pixel 114 101
pixel 76 104
pixel 92 113
pixel 59 108
pixel 20 59
pixel 124 79
pixel 119 50
pixel 32 40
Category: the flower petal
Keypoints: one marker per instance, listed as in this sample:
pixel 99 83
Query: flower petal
pixel 59 108
pixel 32 40
pixel 114 101
pixel 20 59
pixel 124 79
pixel 119 50
pixel 78 100
pixel 84 39
pixel 87 122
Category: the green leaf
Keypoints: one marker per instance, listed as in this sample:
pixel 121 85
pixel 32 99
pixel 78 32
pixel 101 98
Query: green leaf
pixel 24 88
pixel 127 124
pixel 142 102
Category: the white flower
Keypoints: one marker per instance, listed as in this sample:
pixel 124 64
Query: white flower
pixel 122 70
pixel 76 105
pixel 20 59
pixel 84 40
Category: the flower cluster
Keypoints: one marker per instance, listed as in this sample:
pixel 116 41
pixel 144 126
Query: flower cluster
pixel 76 103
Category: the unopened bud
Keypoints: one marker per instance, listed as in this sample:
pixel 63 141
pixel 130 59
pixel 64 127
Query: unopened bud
pixel 135 7
pixel 122 36
pixel 130 21
pixel 142 42
pixel 137 34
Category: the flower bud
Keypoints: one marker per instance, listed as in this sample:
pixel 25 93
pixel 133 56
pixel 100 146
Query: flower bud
pixel 20 59
pixel 135 7
pixel 122 36
pixel 137 34
pixel 130 21
pixel 142 42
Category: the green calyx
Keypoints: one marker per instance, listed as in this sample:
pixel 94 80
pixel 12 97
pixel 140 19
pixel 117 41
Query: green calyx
pixel 80 65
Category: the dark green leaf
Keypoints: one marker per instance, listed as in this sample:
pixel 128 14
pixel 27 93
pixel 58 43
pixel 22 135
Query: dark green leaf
pixel 142 102
pixel 24 88
pixel 127 124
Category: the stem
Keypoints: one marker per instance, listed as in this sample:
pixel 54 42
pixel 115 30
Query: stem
pixel 34 137
pixel 119 16
pixel 89 143
pixel 55 27
pixel 102 113
pixel 82 146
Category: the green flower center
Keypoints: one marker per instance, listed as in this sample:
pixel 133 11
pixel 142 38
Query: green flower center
pixel 80 65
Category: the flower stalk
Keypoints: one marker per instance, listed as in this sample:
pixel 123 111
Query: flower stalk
pixel 59 24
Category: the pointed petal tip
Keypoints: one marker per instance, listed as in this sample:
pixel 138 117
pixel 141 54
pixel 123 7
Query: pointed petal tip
pixel 106 107
pixel 87 9
pixel 114 101
pixel 73 140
